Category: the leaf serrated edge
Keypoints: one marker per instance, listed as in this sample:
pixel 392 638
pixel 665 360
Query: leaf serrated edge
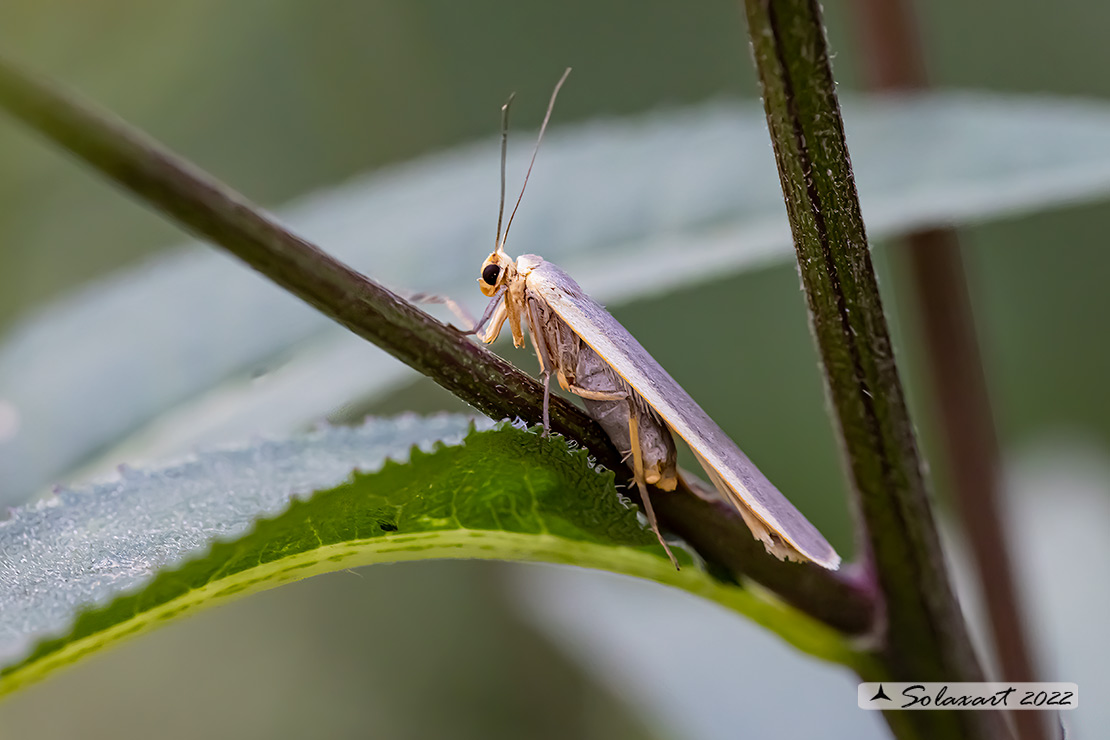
pixel 294 495
pixel 796 628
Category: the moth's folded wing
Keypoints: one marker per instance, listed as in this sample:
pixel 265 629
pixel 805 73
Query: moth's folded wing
pixel 769 514
pixel 775 545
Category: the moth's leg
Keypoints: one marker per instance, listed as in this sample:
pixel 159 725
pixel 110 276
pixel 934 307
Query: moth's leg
pixel 455 307
pixel 638 473
pixel 546 403
pixel 496 320
pixel 543 354
pixel 496 312
pixel 597 395
pixel 535 328
pixel 564 382
pixel 494 304
pixel 516 301
pixel 600 396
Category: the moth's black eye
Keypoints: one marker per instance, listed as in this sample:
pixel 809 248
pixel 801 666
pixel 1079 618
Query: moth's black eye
pixel 491 273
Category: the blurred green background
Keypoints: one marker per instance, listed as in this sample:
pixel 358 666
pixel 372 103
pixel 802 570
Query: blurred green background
pixel 279 98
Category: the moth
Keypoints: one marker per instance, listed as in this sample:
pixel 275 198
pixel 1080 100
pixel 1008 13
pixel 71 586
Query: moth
pixel 636 402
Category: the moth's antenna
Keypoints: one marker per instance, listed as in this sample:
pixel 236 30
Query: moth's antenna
pixel 543 127
pixel 504 151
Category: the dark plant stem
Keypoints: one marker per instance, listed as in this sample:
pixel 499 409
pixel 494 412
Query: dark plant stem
pixel 216 213
pixel 895 61
pixel 925 637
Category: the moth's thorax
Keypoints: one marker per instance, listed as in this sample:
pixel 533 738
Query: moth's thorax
pixel 525 263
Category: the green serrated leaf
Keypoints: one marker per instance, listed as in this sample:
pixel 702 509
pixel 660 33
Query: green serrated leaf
pixel 504 494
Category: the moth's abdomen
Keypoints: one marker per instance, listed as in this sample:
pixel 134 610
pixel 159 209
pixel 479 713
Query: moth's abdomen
pixel 656 443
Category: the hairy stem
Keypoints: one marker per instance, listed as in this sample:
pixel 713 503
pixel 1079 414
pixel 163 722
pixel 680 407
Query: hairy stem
pixel 925 637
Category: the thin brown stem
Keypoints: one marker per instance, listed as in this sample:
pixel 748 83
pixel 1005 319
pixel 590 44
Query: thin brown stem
pixel 895 61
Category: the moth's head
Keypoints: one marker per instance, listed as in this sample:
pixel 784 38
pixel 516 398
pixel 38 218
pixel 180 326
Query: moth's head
pixel 496 271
